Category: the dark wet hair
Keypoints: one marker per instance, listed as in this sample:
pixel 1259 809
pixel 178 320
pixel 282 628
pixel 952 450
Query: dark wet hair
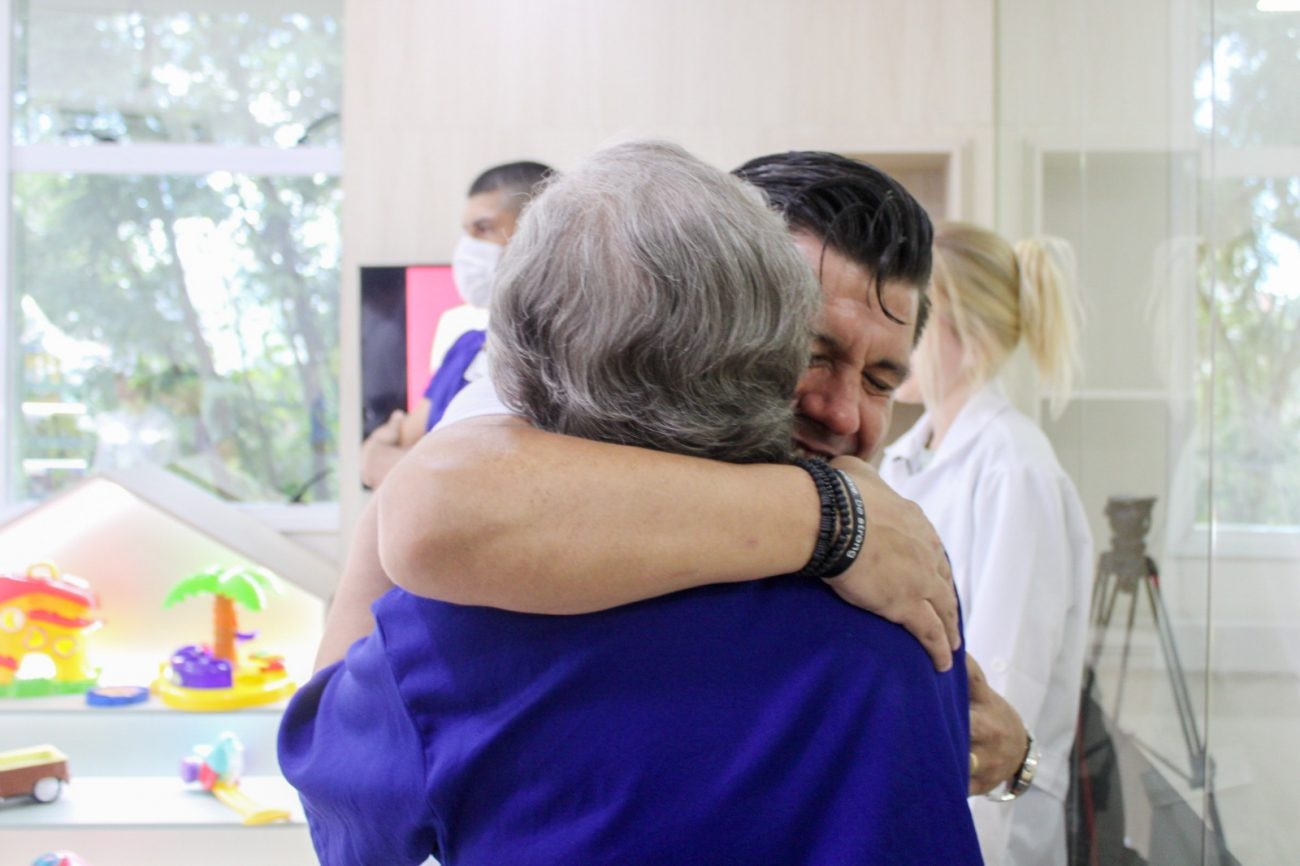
pixel 855 209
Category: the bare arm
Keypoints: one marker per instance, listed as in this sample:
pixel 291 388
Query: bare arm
pixel 491 511
pixel 363 581
pixel 389 443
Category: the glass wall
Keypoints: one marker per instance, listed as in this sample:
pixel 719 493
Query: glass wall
pixel 1162 140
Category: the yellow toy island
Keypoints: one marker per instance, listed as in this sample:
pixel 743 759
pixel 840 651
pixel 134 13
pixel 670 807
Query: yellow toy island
pixel 216 677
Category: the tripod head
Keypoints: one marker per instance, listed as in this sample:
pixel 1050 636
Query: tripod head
pixel 1130 520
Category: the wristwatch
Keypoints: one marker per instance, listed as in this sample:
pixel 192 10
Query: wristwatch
pixel 1024 777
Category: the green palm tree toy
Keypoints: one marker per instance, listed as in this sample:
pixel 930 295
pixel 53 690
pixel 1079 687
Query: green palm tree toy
pixel 217 678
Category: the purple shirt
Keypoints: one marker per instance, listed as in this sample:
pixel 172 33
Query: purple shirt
pixel 751 723
pixel 450 377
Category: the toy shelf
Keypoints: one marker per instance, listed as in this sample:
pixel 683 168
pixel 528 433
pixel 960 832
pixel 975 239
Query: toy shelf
pixel 77 704
pixel 144 740
pixel 133 820
pixel 146 802
pixel 135 536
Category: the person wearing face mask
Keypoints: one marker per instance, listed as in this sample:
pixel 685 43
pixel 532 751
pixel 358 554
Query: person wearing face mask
pixel 496 199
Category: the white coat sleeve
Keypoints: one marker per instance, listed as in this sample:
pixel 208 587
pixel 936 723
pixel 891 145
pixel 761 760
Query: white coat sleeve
pixel 1021 567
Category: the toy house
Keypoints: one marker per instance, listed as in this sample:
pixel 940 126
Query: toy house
pixel 44 614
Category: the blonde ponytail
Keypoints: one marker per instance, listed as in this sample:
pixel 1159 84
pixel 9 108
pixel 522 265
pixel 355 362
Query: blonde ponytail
pixel 1050 314
pixel 996 296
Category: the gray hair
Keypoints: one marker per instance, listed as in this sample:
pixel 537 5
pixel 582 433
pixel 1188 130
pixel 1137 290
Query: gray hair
pixel 649 299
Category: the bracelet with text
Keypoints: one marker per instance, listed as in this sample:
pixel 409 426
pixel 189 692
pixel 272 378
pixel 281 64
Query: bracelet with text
pixel 842 529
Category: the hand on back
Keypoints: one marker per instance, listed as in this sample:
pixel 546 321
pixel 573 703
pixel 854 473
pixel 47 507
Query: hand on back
pixel 998 740
pixel 902 573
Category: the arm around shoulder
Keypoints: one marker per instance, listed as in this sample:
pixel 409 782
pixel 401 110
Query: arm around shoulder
pixel 494 512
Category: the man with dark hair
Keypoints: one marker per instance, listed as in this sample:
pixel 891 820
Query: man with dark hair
pixel 668 525
pixel 499 195
pixel 495 200
pixel 531 521
pixel 651 300
pixel 862 213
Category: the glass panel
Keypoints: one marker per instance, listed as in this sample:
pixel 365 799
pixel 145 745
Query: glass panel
pixel 1250 283
pixel 1157 139
pixel 188 321
pixel 1097 143
pixel 216 72
pixel 1255 73
pixel 1253 308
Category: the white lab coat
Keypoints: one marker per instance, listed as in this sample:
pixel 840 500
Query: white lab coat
pixel 1021 553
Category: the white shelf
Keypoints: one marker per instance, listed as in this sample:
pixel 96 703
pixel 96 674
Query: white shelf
pixel 77 704
pixel 144 803
pixel 144 740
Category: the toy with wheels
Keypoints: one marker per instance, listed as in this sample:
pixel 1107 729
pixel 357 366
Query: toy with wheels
pixel 38 772
pixel 218 769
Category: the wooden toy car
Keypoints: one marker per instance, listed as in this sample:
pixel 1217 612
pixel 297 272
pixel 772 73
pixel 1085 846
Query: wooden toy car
pixel 36 771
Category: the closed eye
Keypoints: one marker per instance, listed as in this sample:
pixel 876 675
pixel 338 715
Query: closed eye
pixel 819 360
pixel 878 384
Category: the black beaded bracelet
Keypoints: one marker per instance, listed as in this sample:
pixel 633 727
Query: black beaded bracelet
pixel 843 525
pixel 824 478
pixel 856 534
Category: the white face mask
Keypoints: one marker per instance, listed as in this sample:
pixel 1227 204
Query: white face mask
pixel 474 269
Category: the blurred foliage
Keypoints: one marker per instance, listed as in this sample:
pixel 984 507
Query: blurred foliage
pixel 1255 74
pixel 1250 307
pixel 259 75
pixel 1249 378
pixel 243 361
pixel 194 317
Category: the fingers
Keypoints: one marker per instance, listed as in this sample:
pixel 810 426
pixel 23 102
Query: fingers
pixel 391 430
pixel 981 780
pixel 909 580
pixel 925 623
pixel 946 604
pixel 942 598
pixel 982 730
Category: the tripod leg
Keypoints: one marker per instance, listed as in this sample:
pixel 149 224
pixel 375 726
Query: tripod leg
pixel 1178 683
pixel 1216 823
pixel 1123 659
pixel 1101 584
pixel 1103 606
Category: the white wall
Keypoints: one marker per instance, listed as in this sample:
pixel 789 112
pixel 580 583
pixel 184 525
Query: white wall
pixel 437 90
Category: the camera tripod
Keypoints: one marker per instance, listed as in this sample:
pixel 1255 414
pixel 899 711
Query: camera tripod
pixel 1127 569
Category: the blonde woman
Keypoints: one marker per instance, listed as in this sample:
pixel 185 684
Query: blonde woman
pixel 1008 514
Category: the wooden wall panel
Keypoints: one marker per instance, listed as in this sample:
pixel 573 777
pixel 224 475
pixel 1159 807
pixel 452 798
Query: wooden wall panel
pixel 436 90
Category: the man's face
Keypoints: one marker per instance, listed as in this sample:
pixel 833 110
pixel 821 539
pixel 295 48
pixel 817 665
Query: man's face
pixel 488 217
pixel 859 357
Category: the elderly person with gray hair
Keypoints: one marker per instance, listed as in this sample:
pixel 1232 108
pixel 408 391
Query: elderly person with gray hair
pixel 651 300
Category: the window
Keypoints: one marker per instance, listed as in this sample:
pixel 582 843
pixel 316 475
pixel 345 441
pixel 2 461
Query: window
pixel 1248 382
pixel 1250 308
pixel 173 292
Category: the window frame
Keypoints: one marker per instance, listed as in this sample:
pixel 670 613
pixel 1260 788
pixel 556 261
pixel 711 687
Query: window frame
pixel 141 160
